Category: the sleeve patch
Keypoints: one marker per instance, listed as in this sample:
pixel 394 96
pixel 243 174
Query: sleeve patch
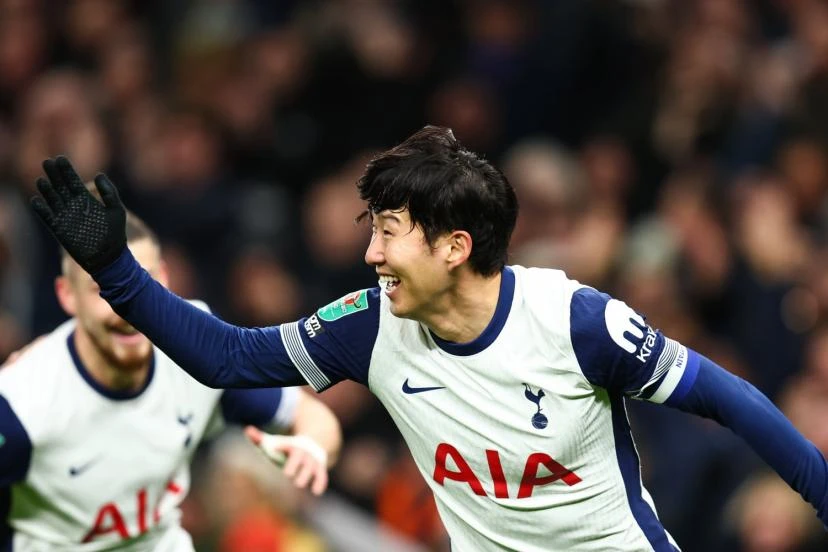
pixel 349 304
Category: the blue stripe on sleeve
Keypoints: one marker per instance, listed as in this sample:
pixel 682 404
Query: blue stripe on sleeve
pixel 734 403
pixel 250 406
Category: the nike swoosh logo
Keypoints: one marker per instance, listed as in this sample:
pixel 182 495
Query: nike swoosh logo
pixel 408 390
pixel 75 471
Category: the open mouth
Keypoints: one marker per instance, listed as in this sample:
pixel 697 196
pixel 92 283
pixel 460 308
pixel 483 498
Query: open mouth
pixel 130 336
pixel 388 283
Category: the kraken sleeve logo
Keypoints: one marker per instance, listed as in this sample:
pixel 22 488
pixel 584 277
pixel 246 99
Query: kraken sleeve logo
pixel 619 319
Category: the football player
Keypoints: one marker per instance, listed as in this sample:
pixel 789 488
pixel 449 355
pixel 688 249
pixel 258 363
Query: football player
pixel 507 383
pixel 98 427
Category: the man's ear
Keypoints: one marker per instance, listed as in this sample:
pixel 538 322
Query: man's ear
pixel 459 243
pixel 66 295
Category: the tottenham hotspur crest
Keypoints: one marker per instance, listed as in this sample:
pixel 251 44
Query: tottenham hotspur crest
pixel 539 421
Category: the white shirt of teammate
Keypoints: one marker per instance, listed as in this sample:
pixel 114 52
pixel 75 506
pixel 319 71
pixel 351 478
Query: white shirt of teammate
pixel 83 468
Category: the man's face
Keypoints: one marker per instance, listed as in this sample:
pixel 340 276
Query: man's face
pixel 413 275
pixel 110 335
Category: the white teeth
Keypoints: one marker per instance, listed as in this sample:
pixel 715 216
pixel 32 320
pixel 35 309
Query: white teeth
pixel 388 282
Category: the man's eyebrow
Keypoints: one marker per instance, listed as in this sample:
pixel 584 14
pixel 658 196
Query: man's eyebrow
pixel 389 216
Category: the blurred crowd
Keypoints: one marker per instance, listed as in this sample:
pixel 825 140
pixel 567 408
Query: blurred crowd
pixel 672 153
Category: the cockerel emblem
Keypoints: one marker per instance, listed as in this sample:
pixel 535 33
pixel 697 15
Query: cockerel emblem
pixel 539 420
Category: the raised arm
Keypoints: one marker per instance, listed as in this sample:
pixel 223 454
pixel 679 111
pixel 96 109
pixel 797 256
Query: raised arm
pixel 314 350
pixel 93 233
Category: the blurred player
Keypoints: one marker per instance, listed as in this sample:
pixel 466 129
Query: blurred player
pixel 507 383
pixel 97 428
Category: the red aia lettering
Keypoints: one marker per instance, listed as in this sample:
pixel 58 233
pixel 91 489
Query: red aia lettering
pixel 142 511
pixel 501 490
pixel 109 519
pixel 464 474
pixel 530 474
pixel 528 482
pixel 172 488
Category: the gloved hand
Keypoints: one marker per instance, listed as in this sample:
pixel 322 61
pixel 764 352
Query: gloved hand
pixel 93 233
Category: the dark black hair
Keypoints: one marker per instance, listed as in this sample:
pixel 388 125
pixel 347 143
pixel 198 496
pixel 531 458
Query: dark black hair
pixel 445 188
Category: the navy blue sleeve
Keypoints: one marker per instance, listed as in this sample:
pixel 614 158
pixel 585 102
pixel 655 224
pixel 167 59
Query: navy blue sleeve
pixel 322 349
pixel 250 406
pixel 15 446
pixel 337 341
pixel 618 351
pixel 736 404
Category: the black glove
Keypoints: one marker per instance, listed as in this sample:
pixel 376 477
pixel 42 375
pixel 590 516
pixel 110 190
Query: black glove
pixel 94 234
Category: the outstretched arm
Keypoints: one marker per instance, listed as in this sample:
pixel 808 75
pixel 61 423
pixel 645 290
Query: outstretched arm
pixel 214 352
pixel 617 350
pixel 734 403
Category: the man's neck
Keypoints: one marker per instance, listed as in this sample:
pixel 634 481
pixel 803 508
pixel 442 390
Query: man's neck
pixel 467 309
pixel 103 371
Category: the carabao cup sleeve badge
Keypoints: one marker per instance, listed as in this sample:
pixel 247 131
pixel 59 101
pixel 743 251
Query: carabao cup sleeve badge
pixel 351 303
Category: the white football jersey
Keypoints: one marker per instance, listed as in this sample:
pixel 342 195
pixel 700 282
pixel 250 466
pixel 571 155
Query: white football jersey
pixel 90 469
pixel 521 434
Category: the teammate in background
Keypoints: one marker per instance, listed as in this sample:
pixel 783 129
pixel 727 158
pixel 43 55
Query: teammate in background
pixel 98 427
pixel 507 383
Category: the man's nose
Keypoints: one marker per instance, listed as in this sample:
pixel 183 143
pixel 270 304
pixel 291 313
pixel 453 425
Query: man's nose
pixel 375 255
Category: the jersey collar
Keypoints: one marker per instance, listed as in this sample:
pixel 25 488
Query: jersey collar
pixel 504 305
pixel 108 393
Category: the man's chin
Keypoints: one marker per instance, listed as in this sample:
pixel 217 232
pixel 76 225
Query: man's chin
pixel 132 358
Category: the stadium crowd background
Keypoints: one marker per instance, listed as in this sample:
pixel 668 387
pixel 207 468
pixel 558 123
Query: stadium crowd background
pixel 672 153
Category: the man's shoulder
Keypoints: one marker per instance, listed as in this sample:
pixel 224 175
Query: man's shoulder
pixel 351 303
pixel 544 288
pixel 352 315
pixel 546 276
pixel 38 386
pixel 43 357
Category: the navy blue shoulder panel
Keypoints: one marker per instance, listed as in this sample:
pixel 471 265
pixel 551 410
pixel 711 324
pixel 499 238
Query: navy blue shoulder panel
pixel 15 446
pixel 340 337
pixel 15 457
pixel 613 344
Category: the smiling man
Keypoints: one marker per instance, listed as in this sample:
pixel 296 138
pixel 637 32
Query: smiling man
pixel 507 383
